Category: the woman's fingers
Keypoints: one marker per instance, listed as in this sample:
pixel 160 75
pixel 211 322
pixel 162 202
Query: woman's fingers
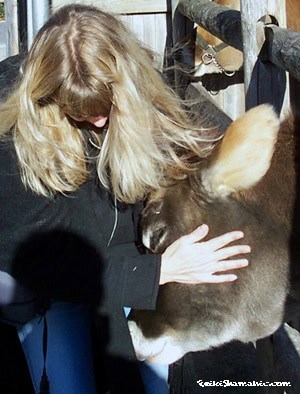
pixel 221 278
pixel 197 235
pixel 205 278
pixel 198 272
pixel 223 240
pixel 230 251
pixel 230 264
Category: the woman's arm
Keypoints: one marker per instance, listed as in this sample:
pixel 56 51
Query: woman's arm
pixel 136 280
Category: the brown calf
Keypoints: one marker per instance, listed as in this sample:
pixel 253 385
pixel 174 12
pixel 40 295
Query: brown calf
pixel 243 185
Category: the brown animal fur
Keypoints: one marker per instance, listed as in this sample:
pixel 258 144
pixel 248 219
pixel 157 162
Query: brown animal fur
pixel 260 202
pixel 293 15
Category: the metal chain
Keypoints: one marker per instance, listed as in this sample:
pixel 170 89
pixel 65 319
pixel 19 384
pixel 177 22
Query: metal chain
pixel 209 57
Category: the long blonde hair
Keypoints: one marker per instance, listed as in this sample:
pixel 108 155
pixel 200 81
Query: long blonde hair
pixel 84 62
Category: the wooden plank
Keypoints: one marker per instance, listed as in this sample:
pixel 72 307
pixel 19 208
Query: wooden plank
pixel 151 29
pixel 232 100
pixel 217 19
pixel 211 115
pixel 11 18
pixel 283 49
pixel 160 36
pixel 40 14
pixel 123 6
pixel 127 20
pixel 2 40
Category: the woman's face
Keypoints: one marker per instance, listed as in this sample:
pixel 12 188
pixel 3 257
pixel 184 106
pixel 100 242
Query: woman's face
pixel 97 121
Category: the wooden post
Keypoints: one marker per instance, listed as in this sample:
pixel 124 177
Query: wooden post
pixel 11 18
pixel 264 82
pixel 30 34
pixel 40 14
pixel 181 28
pixel 122 6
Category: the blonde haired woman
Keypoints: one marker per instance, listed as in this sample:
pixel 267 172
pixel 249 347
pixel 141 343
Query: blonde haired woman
pixel 68 184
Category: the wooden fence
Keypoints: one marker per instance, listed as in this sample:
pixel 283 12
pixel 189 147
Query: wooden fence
pixel 268 50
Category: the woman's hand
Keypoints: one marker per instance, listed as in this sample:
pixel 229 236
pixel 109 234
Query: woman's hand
pixel 189 261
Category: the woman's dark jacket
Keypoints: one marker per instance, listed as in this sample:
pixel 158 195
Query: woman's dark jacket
pixel 79 247
pixel 66 247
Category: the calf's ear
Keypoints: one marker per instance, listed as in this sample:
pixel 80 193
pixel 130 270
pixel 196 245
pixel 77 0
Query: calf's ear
pixel 245 152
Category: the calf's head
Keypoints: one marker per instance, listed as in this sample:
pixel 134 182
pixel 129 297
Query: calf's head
pixel 236 164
